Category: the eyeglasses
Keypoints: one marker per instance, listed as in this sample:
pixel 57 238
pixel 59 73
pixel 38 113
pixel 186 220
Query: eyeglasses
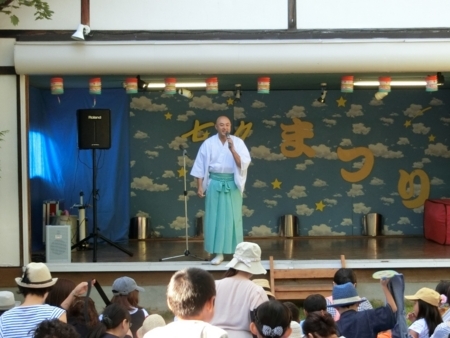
pixel 130 324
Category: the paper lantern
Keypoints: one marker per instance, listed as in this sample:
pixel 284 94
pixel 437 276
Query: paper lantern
pixel 170 87
pixel 95 86
pixel 385 84
pixel 57 85
pixel 347 84
pixel 212 85
pixel 131 85
pixel 432 83
pixel 263 85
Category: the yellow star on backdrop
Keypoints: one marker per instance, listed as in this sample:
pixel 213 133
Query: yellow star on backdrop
pixel 276 184
pixel 230 101
pixel 341 102
pixel 431 138
pixel 320 206
pixel 407 123
pixel 181 172
pixel 168 116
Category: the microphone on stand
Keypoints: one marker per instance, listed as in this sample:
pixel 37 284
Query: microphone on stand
pixel 182 148
pixel 228 138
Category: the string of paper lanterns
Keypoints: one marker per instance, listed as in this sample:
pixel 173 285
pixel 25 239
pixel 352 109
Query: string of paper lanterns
pixel 132 86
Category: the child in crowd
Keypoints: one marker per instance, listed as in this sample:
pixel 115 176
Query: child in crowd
pixel 425 316
pixel 191 294
pixel 342 276
pixel 7 301
pixel 271 319
pixel 362 324
pixel 295 319
pixel 60 291
pixel 55 328
pixel 443 288
pixel 126 294
pixel 34 285
pixel 314 303
pixel 82 315
pixel 115 323
pixel 264 283
pixel 319 325
pixel 237 295
pixel 151 322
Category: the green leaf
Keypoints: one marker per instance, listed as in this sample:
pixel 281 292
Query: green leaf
pixel 14 20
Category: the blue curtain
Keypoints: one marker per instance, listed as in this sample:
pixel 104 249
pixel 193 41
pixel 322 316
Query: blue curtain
pixel 60 171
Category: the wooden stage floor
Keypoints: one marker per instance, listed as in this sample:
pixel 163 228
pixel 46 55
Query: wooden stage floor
pixel 283 249
pixel 417 258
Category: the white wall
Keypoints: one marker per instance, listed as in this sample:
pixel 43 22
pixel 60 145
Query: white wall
pixel 237 14
pixel 9 186
pixel 9 174
pixel 381 14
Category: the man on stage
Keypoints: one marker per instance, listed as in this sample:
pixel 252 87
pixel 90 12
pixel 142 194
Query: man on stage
pixel 221 170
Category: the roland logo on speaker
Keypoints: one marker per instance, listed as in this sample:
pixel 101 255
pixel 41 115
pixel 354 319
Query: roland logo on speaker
pixel 92 117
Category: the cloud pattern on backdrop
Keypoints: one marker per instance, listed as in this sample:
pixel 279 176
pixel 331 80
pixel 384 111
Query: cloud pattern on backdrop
pixel 406 132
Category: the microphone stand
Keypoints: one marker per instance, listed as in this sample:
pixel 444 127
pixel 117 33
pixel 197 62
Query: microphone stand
pixel 186 253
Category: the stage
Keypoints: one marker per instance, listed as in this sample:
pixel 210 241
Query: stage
pixel 422 262
pixel 362 252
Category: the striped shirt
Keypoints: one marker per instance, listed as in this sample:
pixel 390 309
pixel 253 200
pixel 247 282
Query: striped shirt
pixel 21 321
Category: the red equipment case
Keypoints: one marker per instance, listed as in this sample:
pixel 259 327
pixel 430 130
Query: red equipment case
pixel 436 220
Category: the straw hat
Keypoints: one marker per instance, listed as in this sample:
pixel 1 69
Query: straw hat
pixel 124 285
pixel 36 276
pixel 264 283
pixel 150 323
pixel 7 300
pixel 345 294
pixel 247 258
pixel 427 295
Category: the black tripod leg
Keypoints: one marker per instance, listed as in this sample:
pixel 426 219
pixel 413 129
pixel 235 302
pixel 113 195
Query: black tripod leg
pixel 188 254
pixel 80 243
pixel 129 253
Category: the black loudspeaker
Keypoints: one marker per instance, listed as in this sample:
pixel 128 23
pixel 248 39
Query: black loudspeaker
pixel 94 128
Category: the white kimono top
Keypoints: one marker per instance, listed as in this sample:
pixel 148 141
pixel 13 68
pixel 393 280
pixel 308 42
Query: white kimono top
pixel 213 156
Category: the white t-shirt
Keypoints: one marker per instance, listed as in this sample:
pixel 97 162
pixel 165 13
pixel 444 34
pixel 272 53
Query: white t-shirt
pixel 420 326
pixel 235 297
pixel 187 329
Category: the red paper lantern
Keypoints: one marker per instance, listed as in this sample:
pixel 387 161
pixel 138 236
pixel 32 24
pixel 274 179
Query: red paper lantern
pixel 95 86
pixel 212 85
pixel 170 87
pixel 131 85
pixel 385 84
pixel 432 83
pixel 263 85
pixel 347 84
pixel 57 85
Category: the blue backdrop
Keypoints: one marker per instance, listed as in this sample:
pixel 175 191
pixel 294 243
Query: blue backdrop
pixel 59 170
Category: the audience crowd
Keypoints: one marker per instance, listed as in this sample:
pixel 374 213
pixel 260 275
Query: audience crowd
pixel 236 306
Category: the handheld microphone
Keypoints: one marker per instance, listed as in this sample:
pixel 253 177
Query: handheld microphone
pixel 228 138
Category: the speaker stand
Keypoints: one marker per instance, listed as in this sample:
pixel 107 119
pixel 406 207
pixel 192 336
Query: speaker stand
pixel 95 235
